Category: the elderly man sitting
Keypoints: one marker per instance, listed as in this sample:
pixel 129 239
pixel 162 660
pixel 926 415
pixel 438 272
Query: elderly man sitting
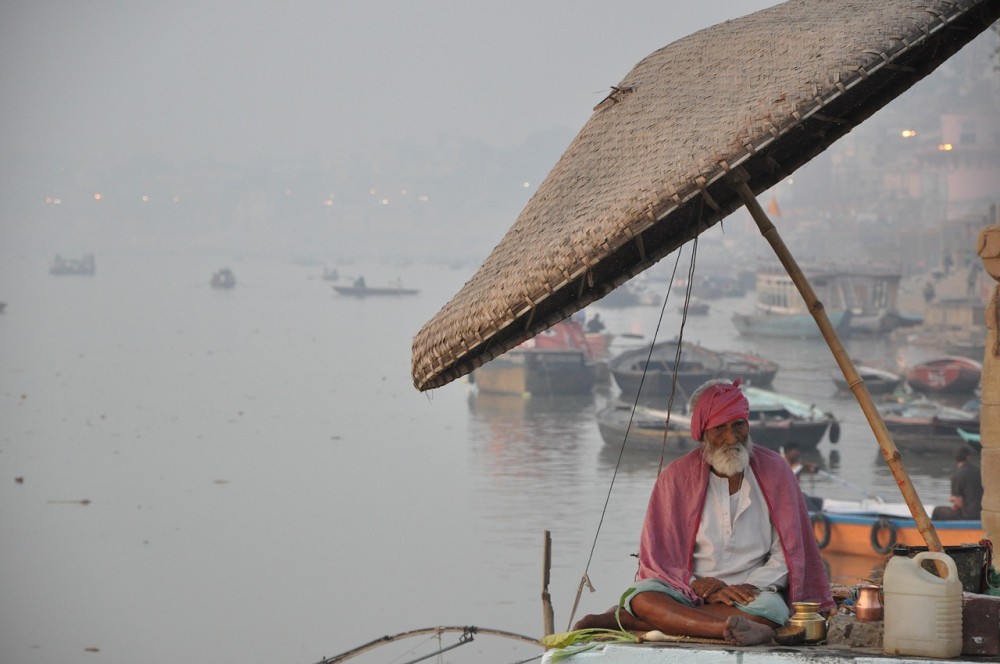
pixel 726 544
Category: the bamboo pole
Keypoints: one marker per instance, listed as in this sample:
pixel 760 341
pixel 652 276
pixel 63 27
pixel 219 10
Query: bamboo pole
pixel 548 619
pixel 854 380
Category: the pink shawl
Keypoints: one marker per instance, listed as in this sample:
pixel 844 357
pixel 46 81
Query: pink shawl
pixel 666 547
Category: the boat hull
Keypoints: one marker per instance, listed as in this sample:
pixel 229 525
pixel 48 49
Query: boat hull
pixel 874 535
pixel 654 372
pixel 647 431
pixel 534 371
pixel 877 381
pixel 364 291
pixel 792 326
pixel 957 375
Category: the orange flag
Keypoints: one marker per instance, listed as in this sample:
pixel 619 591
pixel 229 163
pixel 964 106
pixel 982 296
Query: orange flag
pixel 773 208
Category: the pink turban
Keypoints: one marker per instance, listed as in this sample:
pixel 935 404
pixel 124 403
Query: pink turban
pixel 719 404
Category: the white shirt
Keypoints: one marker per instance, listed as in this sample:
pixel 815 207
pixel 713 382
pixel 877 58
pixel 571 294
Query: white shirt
pixel 736 541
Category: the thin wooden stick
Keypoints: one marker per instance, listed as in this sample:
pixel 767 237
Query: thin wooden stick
pixel 548 619
pixel 854 380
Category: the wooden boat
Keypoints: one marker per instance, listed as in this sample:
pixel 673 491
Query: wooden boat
pixel 695 307
pixel 644 428
pixel 951 374
pixel 224 279
pixel 697 365
pixel 599 344
pixel 360 289
pixel 755 370
pixel 654 371
pixel 877 381
pixel 84 265
pixel 925 425
pixel 788 326
pixel 556 361
pixel 775 421
pixel 873 528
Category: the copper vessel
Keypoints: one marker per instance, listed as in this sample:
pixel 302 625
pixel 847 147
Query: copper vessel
pixel 869 603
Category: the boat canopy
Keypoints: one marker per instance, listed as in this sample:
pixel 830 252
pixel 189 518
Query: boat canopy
pixel 665 155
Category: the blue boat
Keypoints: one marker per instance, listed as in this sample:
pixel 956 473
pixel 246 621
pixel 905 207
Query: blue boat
pixel 788 326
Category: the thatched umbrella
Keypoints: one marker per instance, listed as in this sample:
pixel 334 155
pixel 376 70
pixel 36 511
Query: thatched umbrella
pixel 692 133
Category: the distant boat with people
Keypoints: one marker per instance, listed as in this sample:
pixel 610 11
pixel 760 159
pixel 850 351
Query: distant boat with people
pixel 223 279
pixel 360 289
pixel 85 265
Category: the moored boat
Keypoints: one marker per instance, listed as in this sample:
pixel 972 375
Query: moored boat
pixel 645 429
pixel 952 374
pixel 873 528
pixel 556 361
pixel 775 421
pixel 788 326
pixel 695 307
pixel 924 425
pixel 755 370
pixel 653 370
pixel 877 381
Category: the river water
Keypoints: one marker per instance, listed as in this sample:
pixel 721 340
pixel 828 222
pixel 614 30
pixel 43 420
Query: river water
pixel 192 475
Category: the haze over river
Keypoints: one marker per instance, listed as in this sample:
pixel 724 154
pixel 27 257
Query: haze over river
pixel 193 475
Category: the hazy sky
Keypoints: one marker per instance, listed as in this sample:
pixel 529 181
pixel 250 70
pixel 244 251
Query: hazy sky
pixel 101 82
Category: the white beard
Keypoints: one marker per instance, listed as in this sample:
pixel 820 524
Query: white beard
pixel 729 460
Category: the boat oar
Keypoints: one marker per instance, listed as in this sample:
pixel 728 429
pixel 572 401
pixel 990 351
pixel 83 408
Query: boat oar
pixel 854 487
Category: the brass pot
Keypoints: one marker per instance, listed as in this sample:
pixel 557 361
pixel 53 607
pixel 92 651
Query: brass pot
pixel 807 617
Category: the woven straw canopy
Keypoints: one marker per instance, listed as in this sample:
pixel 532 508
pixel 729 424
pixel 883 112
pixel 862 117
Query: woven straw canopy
pixel 751 99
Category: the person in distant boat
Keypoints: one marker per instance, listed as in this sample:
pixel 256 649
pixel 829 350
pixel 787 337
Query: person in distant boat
pixel 726 544
pixel 966 490
pixel 793 456
pixel 929 292
pixel 359 282
pixel 595 324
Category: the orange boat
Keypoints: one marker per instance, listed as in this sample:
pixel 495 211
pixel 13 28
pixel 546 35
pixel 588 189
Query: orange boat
pixel 875 528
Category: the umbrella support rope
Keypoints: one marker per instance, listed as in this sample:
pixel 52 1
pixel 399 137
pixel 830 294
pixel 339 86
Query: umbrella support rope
pixel 585 578
pixel 854 380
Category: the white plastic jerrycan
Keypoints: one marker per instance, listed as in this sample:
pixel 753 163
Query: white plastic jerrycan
pixel 922 612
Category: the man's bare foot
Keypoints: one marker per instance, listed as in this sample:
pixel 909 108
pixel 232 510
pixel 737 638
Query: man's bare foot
pixel 742 631
pixel 604 620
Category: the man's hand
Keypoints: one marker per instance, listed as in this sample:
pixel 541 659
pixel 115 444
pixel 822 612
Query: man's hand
pixel 741 594
pixel 704 588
